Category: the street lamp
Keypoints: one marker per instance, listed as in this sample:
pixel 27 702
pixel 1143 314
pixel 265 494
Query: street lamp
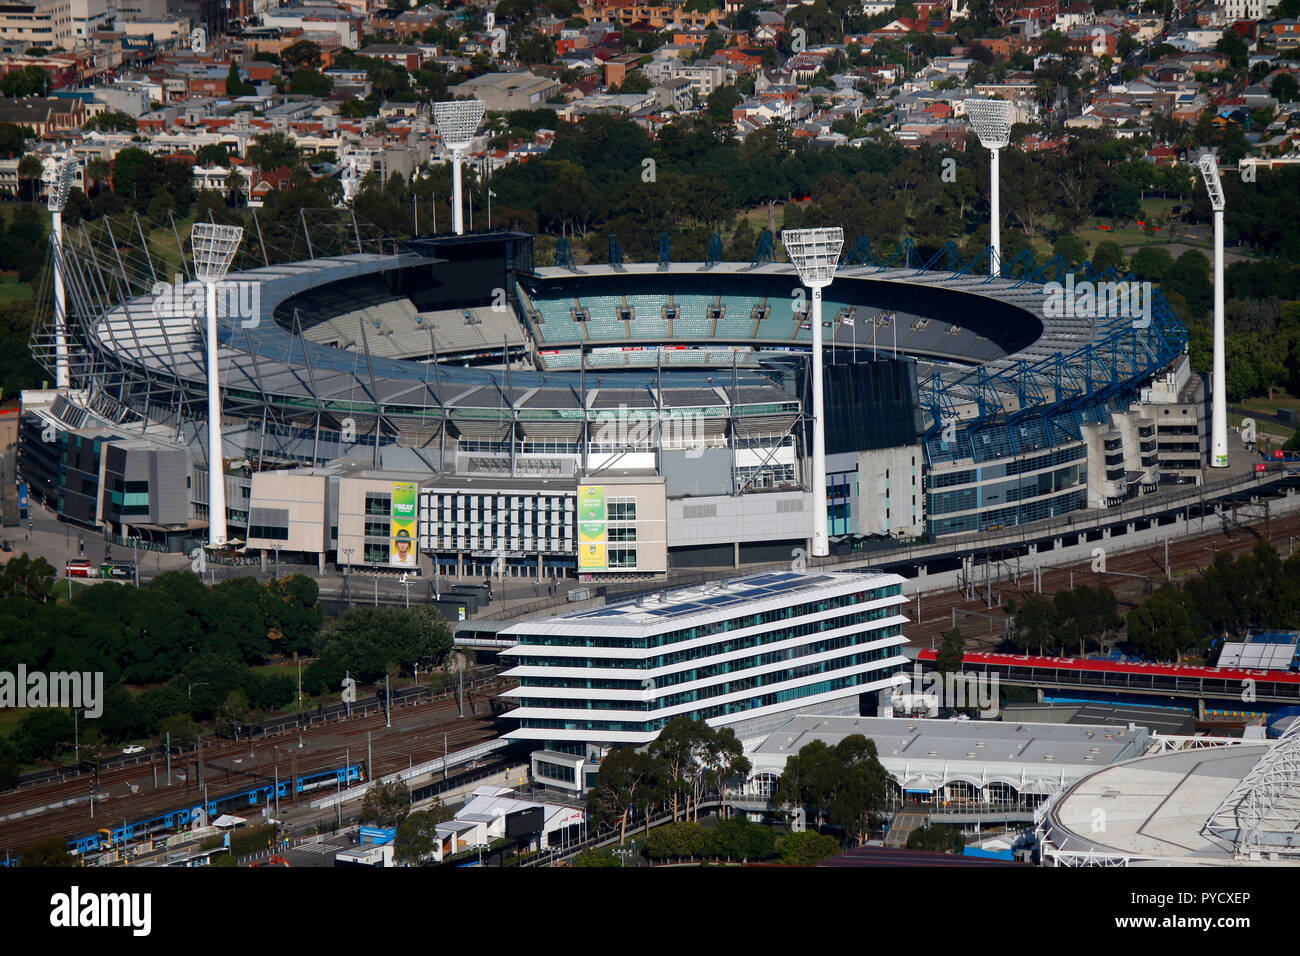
pixel 816 255
pixel 56 199
pixel 1209 168
pixel 213 247
pixel 457 122
pixel 992 122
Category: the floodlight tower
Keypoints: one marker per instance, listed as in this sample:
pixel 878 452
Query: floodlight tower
pixel 992 122
pixel 214 247
pixel 816 255
pixel 1209 168
pixel 57 197
pixel 457 122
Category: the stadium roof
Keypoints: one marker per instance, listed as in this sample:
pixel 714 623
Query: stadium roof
pixel 1151 809
pixel 924 755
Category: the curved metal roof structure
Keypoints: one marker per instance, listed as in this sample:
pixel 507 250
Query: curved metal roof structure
pixel 136 360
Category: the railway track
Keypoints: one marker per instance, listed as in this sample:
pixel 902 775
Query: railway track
pixel 982 626
pixel 418 733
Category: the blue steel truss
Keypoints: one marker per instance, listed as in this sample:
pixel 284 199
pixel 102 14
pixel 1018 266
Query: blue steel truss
pixel 859 254
pixel 563 254
pixel 763 249
pixel 714 253
pixel 615 251
pixel 665 250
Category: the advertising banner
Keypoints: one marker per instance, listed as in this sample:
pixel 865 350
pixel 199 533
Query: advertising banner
pixel 591 528
pixel 401 552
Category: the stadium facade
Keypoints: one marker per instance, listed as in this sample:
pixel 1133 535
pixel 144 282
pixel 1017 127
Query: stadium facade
pixel 604 421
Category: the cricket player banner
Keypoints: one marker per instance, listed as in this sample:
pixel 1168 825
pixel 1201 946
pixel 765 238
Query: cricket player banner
pixel 591 528
pixel 401 554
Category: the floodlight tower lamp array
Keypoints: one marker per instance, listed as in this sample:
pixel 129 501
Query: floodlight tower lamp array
pixel 457 121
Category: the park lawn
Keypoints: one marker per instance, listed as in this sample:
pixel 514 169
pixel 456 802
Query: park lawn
pixel 9 719
pixel 11 290
pixel 1280 433
pixel 1161 208
pixel 758 218
pixel 1269 406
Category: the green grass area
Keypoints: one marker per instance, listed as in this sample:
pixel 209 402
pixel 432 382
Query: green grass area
pixel 9 719
pixel 1279 433
pixel 11 290
pixel 1270 406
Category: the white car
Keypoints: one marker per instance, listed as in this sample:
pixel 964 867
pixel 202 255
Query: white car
pixel 137 749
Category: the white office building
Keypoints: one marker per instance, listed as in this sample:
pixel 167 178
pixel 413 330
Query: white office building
pixel 723 652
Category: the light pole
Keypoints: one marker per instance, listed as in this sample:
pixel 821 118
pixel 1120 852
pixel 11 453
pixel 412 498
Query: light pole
pixel 347 574
pixel 992 122
pixel 1209 168
pixel 457 122
pixel 816 255
pixel 276 573
pixel 57 198
pixel 213 247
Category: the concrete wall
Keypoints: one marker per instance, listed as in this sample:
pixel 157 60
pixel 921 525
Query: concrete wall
pixel 721 519
pixel 302 498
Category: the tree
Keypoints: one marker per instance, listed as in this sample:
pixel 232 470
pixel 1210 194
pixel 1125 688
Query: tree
pixel 725 762
pixel 1161 628
pixel 212 154
pixel 1151 263
pixel 40 734
pixel 863 791
pixel 1035 624
pixel 681 840
pixel 680 745
pixel 600 858
pixel 111 121
pixel 236 186
pixel 738 839
pixel 303 54
pixel 51 852
pixel 810 778
pixel 234 85
pixel 952 653
pixel 808 848
pixel 273 150
pixel 937 839
pixel 309 82
pixel 417 834
pixel 29 170
pixel 386 804
pixel 134 174
pixel 619 781
pixel 9 774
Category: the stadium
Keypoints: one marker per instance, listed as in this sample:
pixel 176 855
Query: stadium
pixel 455 390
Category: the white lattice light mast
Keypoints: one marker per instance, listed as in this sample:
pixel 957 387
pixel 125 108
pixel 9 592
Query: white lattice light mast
pixel 57 198
pixel 457 122
pixel 816 254
pixel 214 247
pixel 1209 168
pixel 992 122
